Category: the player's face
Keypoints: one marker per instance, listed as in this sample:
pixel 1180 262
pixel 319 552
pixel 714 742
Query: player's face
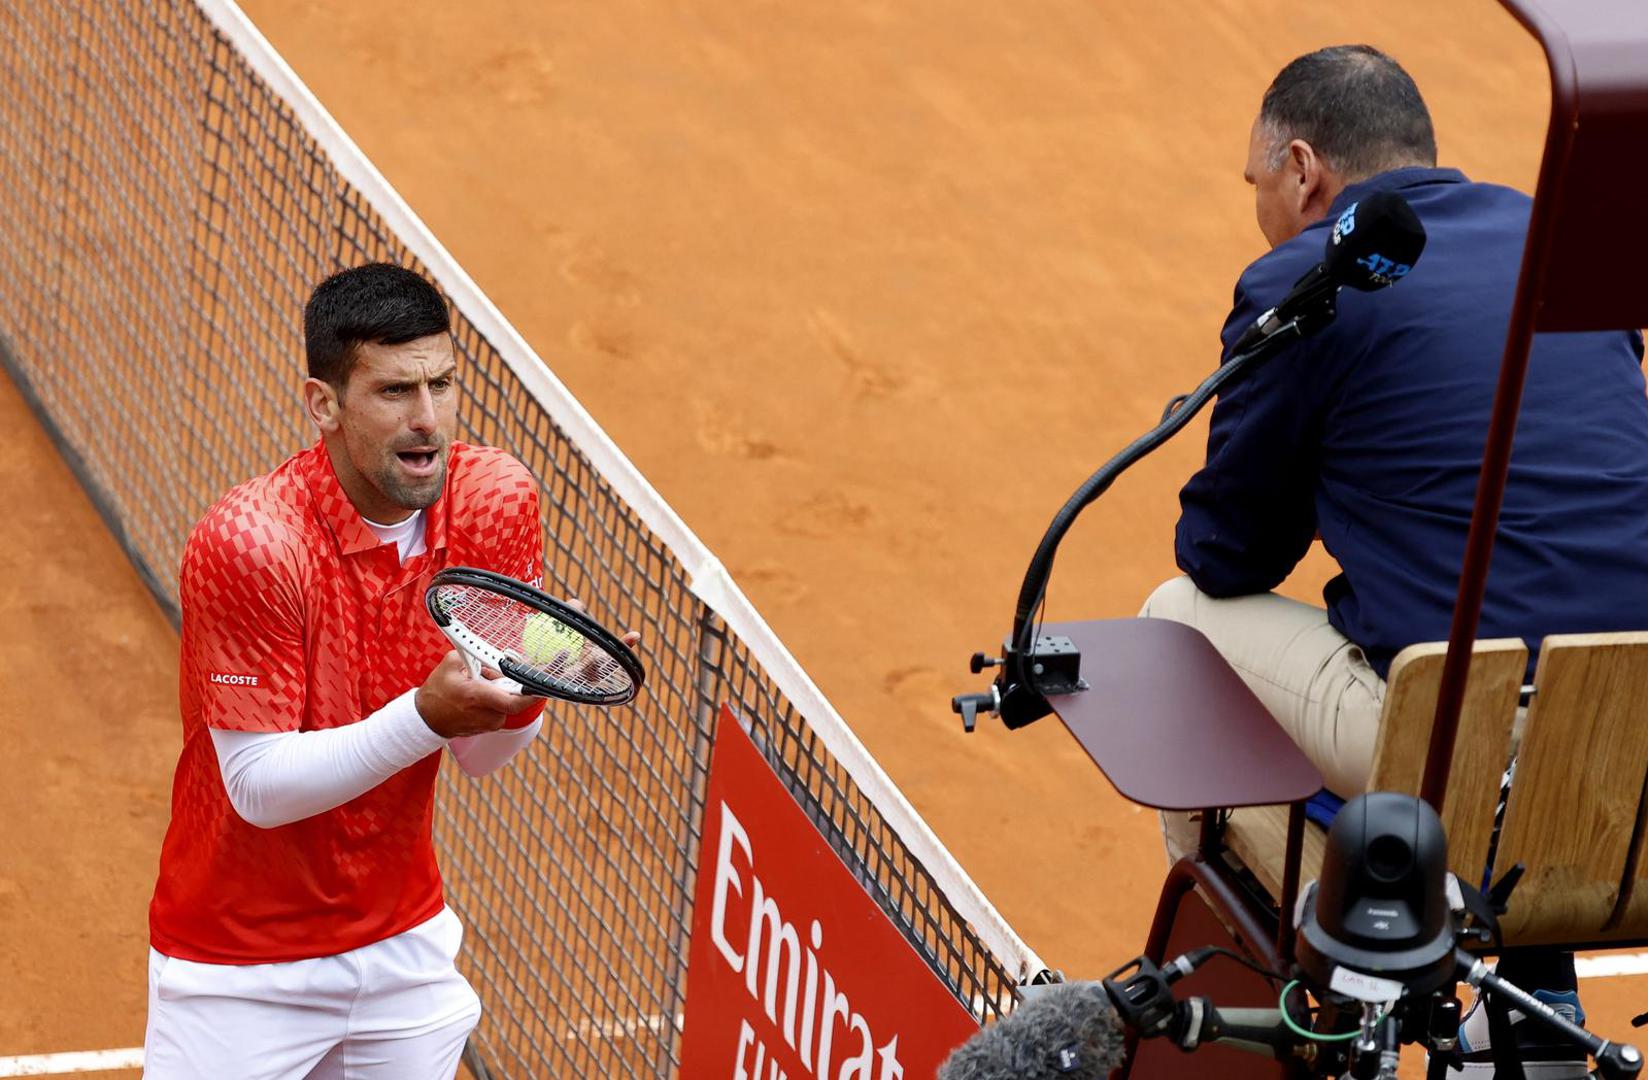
pixel 1273 194
pixel 395 420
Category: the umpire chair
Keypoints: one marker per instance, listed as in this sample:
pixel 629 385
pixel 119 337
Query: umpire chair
pixel 1173 727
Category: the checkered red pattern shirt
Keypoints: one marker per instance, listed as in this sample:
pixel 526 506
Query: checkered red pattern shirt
pixel 295 618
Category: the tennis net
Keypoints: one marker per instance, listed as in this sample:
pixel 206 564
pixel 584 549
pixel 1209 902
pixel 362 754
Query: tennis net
pixel 173 191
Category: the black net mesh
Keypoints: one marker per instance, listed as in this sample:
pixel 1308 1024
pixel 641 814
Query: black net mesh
pixel 163 218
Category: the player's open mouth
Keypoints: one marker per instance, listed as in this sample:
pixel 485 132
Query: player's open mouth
pixel 419 462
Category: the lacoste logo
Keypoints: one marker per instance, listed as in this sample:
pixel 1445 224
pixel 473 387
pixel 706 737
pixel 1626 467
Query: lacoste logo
pixel 226 679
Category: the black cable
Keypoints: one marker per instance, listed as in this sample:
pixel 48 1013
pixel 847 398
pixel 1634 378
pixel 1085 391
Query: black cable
pixel 1034 588
pixel 1257 969
pixel 1196 957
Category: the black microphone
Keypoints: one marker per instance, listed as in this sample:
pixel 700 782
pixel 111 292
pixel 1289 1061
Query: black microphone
pixel 1065 1031
pixel 1373 245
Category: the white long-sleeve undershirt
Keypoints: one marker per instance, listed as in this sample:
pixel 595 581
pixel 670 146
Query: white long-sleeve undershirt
pixel 276 778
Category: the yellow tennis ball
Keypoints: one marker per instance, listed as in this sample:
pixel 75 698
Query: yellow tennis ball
pixel 546 639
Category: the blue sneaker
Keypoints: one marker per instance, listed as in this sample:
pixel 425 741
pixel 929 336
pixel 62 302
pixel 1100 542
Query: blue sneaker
pixel 1544 1056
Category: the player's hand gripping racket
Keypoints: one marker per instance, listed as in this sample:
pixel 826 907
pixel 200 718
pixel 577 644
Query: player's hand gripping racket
pixel 544 647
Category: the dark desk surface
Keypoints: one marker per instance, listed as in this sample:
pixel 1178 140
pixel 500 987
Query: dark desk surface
pixel 1171 724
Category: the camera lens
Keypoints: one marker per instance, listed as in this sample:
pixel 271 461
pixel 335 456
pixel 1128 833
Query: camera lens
pixel 1389 858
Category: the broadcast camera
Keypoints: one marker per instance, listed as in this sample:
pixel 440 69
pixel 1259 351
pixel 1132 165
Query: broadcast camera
pixel 1380 944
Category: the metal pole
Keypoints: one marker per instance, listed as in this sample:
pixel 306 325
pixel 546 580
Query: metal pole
pixel 1496 455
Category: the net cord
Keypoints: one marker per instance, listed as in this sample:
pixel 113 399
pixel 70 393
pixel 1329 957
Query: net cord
pixel 708 579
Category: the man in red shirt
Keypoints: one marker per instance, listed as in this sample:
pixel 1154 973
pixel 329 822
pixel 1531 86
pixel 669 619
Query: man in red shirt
pixel 298 927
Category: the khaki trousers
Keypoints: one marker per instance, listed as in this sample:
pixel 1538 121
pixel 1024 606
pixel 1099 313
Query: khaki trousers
pixel 1314 680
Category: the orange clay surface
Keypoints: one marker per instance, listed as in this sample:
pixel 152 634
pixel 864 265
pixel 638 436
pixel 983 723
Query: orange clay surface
pixel 866 289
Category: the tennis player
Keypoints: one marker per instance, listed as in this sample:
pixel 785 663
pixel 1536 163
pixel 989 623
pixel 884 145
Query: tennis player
pixel 298 927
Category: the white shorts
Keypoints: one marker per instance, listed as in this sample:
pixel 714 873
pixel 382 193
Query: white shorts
pixel 394 1010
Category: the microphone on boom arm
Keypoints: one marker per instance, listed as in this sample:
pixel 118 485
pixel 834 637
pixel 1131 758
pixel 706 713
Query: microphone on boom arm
pixel 1373 244
pixel 1065 1031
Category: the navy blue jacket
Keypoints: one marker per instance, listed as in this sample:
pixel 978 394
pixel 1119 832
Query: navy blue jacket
pixel 1372 433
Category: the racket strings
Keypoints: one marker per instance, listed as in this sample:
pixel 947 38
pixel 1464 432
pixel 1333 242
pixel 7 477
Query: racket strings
pixel 546 648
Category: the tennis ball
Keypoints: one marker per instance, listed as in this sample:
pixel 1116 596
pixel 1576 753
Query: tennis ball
pixel 546 639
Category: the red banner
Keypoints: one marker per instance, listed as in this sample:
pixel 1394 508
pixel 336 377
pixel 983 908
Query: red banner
pixel 794 971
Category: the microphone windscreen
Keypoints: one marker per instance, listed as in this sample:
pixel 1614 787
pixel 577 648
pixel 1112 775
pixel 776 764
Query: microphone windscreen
pixel 1374 243
pixel 1066 1031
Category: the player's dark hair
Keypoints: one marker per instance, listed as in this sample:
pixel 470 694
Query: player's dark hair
pixel 378 302
pixel 1355 106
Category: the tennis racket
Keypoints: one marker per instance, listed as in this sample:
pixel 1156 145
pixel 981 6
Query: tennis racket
pixel 542 647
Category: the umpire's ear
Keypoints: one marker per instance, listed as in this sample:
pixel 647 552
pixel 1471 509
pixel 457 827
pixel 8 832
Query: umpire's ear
pixel 320 401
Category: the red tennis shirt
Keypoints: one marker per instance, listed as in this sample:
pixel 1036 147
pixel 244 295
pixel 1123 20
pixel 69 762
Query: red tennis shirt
pixel 296 618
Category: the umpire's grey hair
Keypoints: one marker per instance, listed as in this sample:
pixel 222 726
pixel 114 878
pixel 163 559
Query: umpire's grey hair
pixel 1356 107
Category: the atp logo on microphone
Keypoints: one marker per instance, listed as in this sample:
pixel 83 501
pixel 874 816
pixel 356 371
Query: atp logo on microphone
pixel 1382 270
pixel 1345 225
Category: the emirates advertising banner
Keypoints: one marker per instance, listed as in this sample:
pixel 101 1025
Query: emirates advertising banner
pixel 794 972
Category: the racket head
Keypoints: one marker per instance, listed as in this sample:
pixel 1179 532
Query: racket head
pixel 547 647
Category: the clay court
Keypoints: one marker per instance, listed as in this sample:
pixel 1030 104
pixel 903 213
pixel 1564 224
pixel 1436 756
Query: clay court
pixel 865 290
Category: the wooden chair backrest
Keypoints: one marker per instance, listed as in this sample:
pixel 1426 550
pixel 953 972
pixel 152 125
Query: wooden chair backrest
pixel 1257 835
pixel 1576 800
pixel 1482 750
pixel 1576 809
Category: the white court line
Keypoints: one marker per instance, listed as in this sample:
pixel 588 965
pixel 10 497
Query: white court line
pixel 86 1061
pixel 1610 965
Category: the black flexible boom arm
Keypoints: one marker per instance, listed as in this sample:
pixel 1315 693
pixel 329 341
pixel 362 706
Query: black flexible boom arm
pixel 1020 680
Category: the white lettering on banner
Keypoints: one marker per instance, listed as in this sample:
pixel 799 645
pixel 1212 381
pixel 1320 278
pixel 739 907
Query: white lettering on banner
pixel 810 1002
pixel 226 679
pixel 726 877
pixel 775 937
pixel 764 913
pixel 890 1068
pixel 746 1037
